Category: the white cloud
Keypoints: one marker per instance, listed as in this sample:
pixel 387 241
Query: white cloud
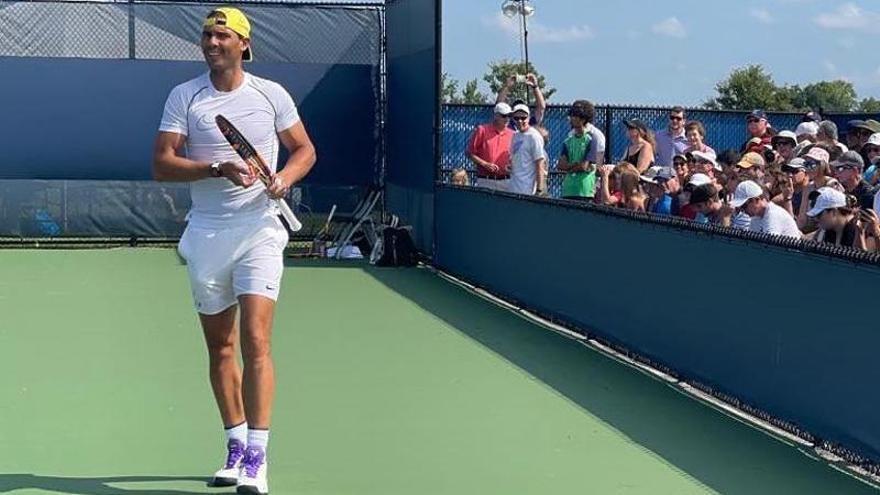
pixel 848 16
pixel 670 27
pixel 762 15
pixel 540 33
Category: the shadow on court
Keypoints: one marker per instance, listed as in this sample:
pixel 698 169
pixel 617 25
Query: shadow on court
pixel 93 486
pixel 723 454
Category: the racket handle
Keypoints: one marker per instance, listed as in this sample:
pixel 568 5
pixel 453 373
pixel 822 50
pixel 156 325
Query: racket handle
pixel 288 215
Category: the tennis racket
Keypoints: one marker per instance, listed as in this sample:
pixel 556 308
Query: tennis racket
pixel 319 244
pixel 257 165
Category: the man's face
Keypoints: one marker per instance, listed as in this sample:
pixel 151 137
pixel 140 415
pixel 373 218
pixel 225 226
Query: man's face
pixel 707 207
pixel 576 122
pixel 857 137
pixel 676 121
pixel 752 207
pixel 669 186
pixel 501 120
pixel 521 120
pixel 872 151
pixel 798 177
pixel 849 176
pixel 785 148
pixel 704 167
pixel 757 127
pixel 681 168
pixel 222 47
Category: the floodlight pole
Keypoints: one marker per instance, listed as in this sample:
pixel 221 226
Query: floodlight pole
pixel 525 25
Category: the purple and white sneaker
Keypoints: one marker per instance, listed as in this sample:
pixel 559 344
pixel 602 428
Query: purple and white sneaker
pixel 253 479
pixel 228 475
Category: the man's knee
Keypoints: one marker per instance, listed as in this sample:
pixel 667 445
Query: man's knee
pixel 256 346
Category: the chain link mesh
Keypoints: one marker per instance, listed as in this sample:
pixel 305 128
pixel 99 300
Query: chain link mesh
pixel 303 32
pixel 724 130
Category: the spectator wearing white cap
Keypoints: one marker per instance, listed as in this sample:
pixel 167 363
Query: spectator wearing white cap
pixel 767 217
pixel 796 190
pixel 807 131
pixel 848 171
pixel 696 180
pixel 784 145
pixel 705 163
pixel 528 158
pixel 663 191
pixel 841 223
pixel 532 82
pixel 672 140
pixel 489 149
pixel 871 154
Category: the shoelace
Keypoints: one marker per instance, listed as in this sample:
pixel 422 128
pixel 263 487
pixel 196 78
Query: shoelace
pixel 234 453
pixel 253 459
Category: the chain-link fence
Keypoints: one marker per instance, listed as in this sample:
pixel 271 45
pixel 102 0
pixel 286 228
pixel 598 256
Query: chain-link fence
pixel 724 130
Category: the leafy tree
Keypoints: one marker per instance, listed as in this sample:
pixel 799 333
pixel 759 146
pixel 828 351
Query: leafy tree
pixel 869 105
pixel 749 88
pixel 448 88
pixel 470 94
pixel 830 96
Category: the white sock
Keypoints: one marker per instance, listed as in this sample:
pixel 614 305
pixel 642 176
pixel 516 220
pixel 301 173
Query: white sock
pixel 258 438
pixel 239 432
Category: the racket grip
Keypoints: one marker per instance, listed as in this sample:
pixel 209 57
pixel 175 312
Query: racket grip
pixel 292 222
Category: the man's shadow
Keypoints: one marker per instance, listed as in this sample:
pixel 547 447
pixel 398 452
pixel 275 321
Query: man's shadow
pixel 92 486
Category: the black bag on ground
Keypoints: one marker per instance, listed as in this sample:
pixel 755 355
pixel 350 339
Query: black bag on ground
pixel 398 248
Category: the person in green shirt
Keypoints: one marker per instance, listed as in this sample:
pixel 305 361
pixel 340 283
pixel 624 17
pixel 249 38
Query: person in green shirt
pixel 580 175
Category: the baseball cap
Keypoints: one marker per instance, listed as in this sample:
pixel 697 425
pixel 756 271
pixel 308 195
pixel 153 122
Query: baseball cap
pixel 707 157
pixel 702 194
pixel 698 180
pixel 751 159
pixel 784 135
pixel 818 154
pixel 874 140
pixel 813 116
pixel 849 159
pixel 806 128
pixel 828 198
pixel 521 108
pixel 745 191
pixel 635 124
pixel 757 114
pixel 794 165
pixel 235 21
pixel 503 109
pixel 650 175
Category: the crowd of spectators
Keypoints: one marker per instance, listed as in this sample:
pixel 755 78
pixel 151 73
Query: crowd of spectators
pixel 800 183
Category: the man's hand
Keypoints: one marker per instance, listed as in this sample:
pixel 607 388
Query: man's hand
pixel 531 81
pixel 238 173
pixel 491 167
pixel 787 189
pixel 278 187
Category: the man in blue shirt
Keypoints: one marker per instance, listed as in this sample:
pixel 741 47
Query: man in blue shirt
pixel 672 140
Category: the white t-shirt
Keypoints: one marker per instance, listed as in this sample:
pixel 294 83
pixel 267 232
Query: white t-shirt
pixel 525 149
pixel 259 108
pixel 776 221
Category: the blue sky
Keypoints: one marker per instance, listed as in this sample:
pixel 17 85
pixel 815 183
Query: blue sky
pixel 669 51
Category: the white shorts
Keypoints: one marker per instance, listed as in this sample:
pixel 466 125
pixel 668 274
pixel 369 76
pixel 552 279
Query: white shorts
pixel 224 264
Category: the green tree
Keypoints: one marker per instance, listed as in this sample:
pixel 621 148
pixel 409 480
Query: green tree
pixel 470 94
pixel 501 70
pixel 830 96
pixel 448 88
pixel 869 105
pixel 749 88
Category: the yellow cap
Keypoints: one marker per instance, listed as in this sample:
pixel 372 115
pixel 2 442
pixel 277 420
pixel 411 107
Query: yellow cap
pixel 233 19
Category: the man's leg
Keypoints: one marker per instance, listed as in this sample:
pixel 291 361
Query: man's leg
pixel 259 372
pixel 221 337
pixel 221 334
pixel 258 389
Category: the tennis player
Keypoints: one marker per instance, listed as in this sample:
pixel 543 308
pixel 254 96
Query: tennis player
pixel 234 240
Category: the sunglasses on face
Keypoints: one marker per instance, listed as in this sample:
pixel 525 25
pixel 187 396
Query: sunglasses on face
pixel 679 163
pixel 844 167
pixel 753 120
pixel 871 149
pixel 675 117
pixel 520 119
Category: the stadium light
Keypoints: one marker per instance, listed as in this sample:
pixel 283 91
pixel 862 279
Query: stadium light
pixel 524 9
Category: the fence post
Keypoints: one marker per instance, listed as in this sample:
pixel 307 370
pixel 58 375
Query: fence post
pixel 608 143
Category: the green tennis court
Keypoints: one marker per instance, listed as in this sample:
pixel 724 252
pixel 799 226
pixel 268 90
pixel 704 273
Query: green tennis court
pixel 389 382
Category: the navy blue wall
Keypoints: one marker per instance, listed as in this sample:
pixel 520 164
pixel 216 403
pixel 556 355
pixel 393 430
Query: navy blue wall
pixel 97 119
pixel 789 332
pixel 413 113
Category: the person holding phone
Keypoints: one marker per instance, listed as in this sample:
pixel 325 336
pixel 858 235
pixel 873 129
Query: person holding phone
pixel 842 223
